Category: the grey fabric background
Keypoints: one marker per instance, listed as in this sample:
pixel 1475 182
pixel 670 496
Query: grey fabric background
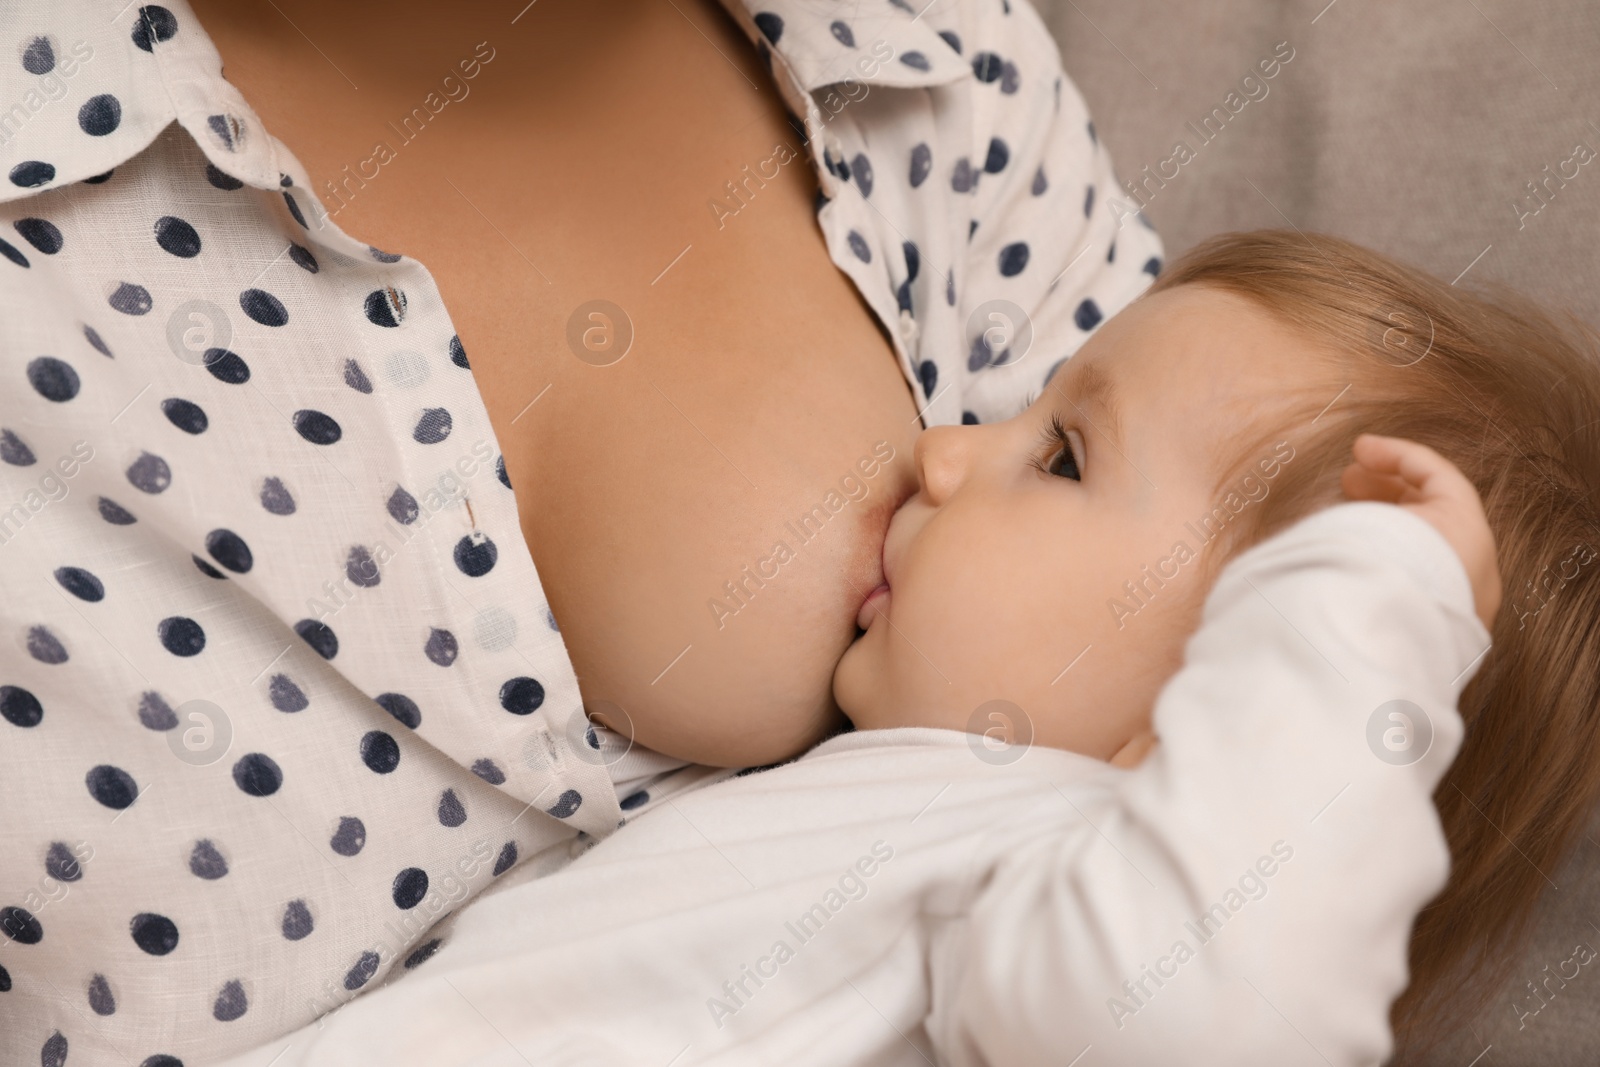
pixel 1410 127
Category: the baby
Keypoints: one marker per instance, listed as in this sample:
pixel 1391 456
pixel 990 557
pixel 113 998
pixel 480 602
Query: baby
pixel 1150 708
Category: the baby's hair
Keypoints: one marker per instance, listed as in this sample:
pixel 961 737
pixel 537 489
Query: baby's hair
pixel 1511 395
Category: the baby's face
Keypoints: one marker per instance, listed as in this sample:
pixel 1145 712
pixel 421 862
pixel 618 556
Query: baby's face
pixel 1003 570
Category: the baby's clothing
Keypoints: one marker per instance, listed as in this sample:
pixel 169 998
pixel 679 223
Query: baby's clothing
pixel 912 896
pixel 279 685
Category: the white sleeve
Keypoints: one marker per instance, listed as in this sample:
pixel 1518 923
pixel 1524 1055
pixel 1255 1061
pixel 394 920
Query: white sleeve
pixel 1246 895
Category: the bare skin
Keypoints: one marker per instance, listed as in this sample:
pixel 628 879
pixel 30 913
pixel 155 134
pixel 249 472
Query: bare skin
pixel 578 165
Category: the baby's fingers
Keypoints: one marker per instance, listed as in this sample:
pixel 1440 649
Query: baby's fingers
pixel 1405 472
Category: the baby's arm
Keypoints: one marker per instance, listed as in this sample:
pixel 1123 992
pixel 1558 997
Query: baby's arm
pixel 1246 895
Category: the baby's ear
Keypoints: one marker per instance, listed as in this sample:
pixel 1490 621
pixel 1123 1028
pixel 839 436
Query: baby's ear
pixel 1133 753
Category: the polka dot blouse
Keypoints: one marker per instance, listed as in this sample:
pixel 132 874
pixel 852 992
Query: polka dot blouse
pixel 279 687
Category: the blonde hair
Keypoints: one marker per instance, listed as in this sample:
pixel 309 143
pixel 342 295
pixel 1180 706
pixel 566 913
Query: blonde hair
pixel 1511 395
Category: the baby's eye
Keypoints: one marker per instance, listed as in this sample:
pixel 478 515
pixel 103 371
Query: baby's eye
pixel 1064 465
pixel 1060 460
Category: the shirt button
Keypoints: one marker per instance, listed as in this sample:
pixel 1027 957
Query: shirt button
pixel 909 330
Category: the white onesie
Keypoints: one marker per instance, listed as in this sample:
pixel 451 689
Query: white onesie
pixel 908 896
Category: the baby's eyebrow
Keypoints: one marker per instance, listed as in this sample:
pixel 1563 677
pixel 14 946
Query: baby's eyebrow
pixel 1094 388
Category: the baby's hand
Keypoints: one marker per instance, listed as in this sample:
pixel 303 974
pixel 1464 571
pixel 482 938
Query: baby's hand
pixel 1417 478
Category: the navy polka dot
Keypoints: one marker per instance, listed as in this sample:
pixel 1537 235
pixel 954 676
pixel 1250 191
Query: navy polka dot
pixel 410 886
pixel 262 306
pixel 81 584
pixel 45 647
pixel 100 178
pixel 131 299
pixel 963 178
pixel 230 550
pixel 566 804
pixel 53 1053
pixel 921 164
pixel 32 173
pixel 861 167
pixel 155 24
pixel 986 65
pixel 93 338
pixel 475 555
pixel 350 836
pixel 1111 253
pixel 186 415
pixel 423 953
pixel 316 427
pixel 5 980
pixel 19 925
pixel 952 40
pixel 294 210
pixel 231 1003
pixel 19 707
pixel 1013 258
pixel 401 707
pixel 257 774
pixel 14 452
pixel 100 115
pixel 356 378
pixel 285 695
pixel 276 498
pixel 303 258
pixel 177 237
pixel 1010 78
pixel 928 371
pixel 385 307
pixel 9 251
pixel 181 636
pixel 458 354
pixel 150 473
pixel 506 860
pixel 402 507
pixel 380 752
pixel 451 811
pixel 1092 138
pixel 222 180
pixel 226 366
pixel 915 60
pixel 858 245
pixel 489 771
pixel 950 289
pixel 841 33
pixel 206 862
pixel 39 57
pixel 522 695
pixel 999 155
pixel 360 974
pixel 207 569
pixel 361 568
pixel 1087 316
pixel 500 472
pixel 155 713
pixel 380 255
pixel 297 923
pixel 1088 201
pixel 155 934
pixel 53 379
pixel 1152 266
pixel 112 786
pixel 41 234
pixel 101 999
pixel 320 636
pixel 442 647
pixel 770 25
pixel 433 427
pixel 61 864
pixel 635 800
